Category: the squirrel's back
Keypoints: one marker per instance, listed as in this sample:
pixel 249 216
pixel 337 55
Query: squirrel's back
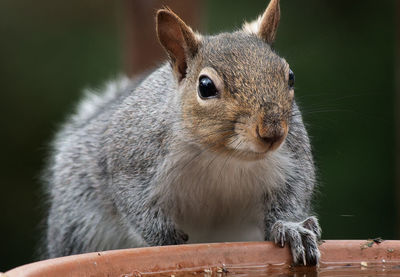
pixel 78 172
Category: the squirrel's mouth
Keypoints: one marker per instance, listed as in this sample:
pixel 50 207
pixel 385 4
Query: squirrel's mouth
pixel 252 149
pixel 249 144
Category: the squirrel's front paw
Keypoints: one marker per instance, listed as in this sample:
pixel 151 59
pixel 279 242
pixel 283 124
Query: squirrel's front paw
pixel 165 236
pixel 302 238
pixel 180 237
pixel 172 236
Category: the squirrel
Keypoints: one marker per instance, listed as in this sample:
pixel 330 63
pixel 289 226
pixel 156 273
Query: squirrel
pixel 209 147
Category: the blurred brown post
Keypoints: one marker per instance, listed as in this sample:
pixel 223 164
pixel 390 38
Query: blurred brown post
pixel 140 45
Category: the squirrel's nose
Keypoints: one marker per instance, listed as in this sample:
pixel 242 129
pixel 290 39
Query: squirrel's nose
pixel 270 137
pixel 271 134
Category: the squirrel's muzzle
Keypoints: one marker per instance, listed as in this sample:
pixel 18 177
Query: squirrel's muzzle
pixel 271 134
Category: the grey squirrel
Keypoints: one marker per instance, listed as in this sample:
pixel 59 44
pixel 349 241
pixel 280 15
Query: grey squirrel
pixel 209 147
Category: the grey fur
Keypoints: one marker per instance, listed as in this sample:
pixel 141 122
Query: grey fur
pixel 126 172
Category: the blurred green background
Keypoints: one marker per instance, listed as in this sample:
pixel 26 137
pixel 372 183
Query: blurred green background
pixel 343 55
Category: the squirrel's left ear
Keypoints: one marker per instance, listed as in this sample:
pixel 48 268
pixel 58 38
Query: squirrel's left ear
pixel 266 25
pixel 178 40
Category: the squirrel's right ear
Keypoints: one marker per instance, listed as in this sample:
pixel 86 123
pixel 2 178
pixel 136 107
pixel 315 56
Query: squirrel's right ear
pixel 178 40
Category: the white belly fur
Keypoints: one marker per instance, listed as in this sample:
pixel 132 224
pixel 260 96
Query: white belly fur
pixel 214 199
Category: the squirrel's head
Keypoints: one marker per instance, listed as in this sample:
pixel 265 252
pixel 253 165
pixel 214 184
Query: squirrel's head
pixel 236 92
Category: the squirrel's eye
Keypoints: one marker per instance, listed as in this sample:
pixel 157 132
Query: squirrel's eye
pixel 291 79
pixel 207 88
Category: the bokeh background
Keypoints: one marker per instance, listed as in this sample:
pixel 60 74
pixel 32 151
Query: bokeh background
pixel 342 52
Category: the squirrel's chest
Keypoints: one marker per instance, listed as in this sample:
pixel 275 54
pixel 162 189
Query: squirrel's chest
pixel 218 199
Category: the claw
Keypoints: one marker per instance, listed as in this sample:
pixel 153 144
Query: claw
pixel 311 224
pixel 301 237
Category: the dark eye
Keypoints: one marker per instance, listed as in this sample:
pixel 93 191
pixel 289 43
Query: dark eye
pixel 207 88
pixel 291 79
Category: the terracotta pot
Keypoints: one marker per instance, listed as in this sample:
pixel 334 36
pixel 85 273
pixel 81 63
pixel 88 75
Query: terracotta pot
pixel 215 259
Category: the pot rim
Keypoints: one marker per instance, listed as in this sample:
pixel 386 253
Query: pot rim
pixel 197 256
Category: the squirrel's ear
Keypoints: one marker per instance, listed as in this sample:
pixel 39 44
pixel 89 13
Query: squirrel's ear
pixel 178 40
pixel 266 25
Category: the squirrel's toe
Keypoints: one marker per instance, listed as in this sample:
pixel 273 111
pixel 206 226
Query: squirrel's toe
pixel 302 239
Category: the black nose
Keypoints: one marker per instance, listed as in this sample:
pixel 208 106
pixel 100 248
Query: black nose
pixel 271 140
